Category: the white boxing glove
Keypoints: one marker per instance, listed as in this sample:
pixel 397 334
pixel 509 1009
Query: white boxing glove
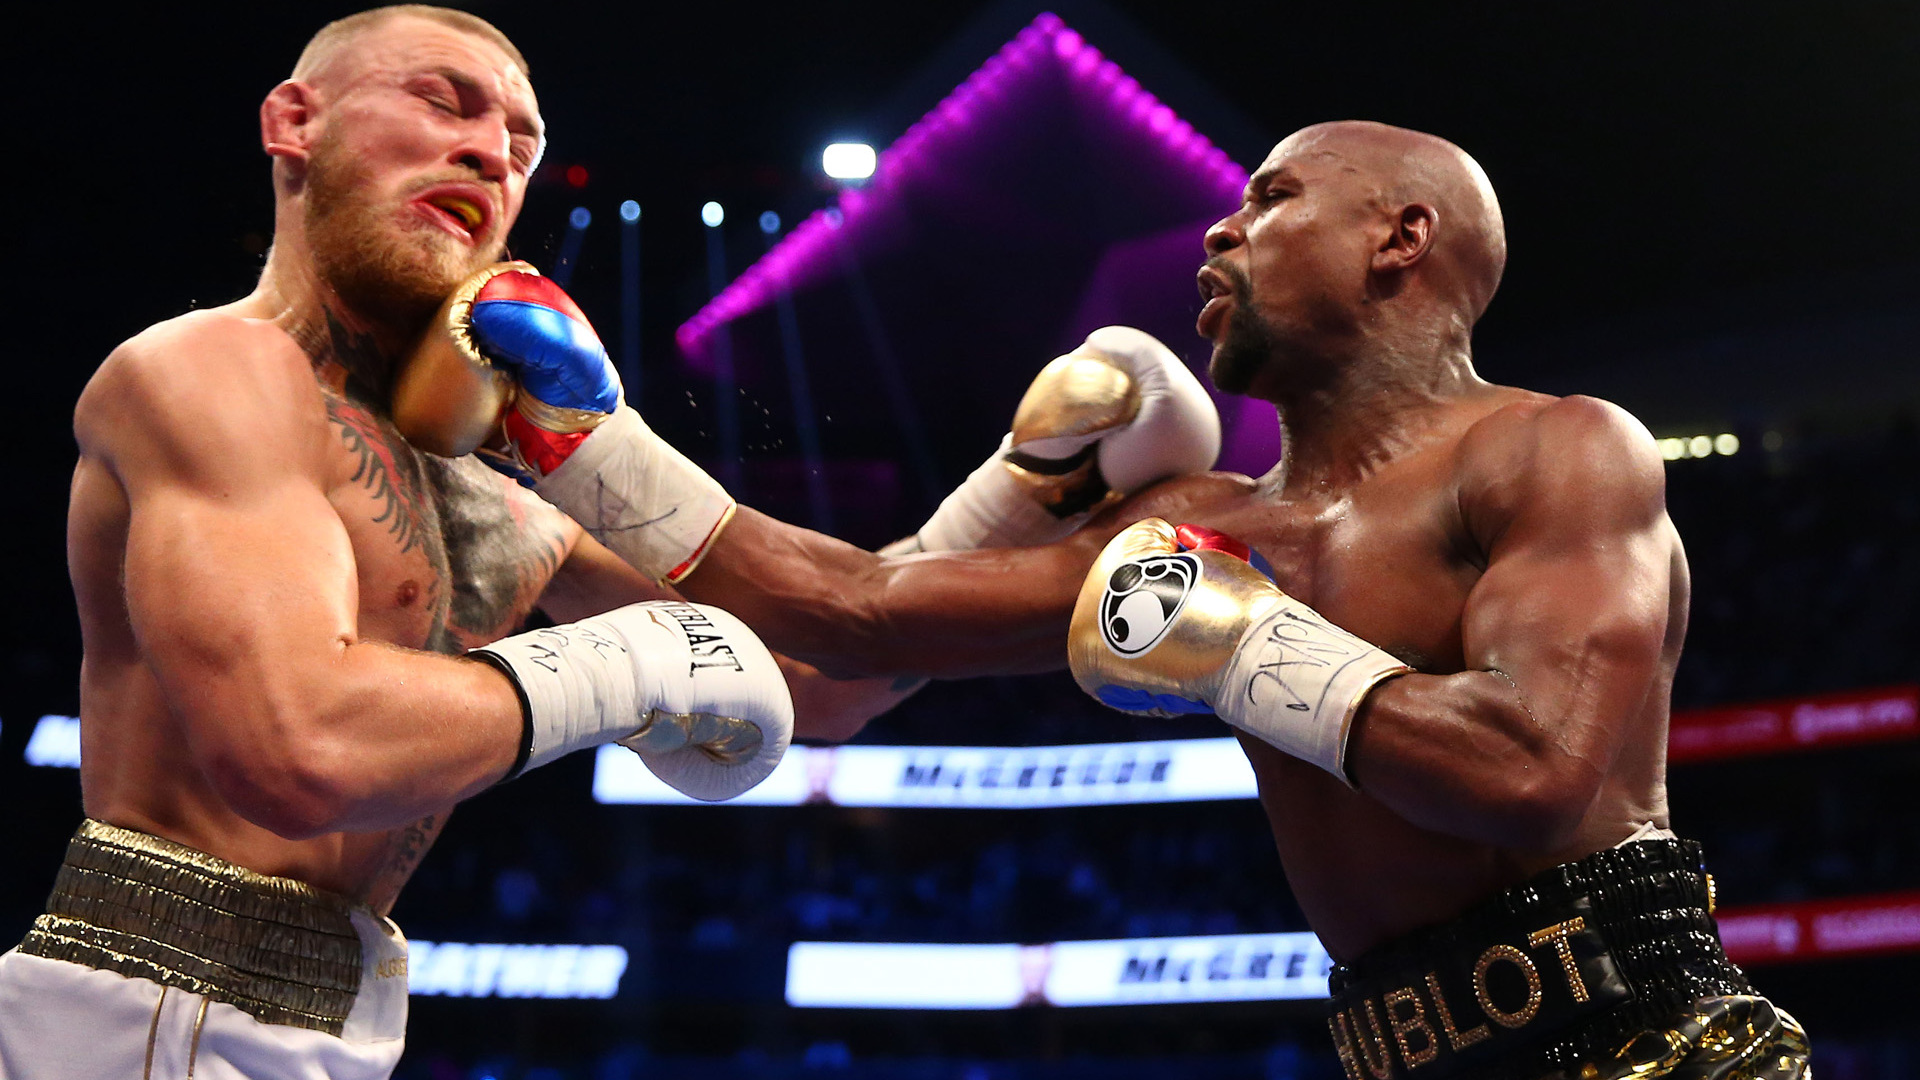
pixel 686 686
pixel 1108 418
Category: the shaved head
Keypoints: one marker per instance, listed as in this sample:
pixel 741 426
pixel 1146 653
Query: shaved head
pixel 1353 238
pixel 334 40
pixel 1405 167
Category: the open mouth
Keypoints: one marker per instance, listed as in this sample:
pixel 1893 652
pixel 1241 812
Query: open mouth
pixel 1212 284
pixel 1217 293
pixel 458 211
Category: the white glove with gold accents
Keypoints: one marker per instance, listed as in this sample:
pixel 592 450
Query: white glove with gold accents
pixel 686 686
pixel 1108 418
pixel 512 370
pixel 1175 621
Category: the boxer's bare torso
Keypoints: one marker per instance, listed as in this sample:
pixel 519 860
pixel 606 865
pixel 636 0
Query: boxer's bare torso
pixel 1395 557
pixel 447 555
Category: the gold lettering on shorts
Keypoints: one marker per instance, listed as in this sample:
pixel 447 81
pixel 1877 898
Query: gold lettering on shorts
pixel 390 967
pixel 1456 1039
pixel 1379 1059
pixel 1406 1025
pixel 1518 959
pixel 1343 1045
pixel 1558 934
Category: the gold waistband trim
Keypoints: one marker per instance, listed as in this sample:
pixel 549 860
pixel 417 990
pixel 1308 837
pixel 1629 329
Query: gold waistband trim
pixel 277 949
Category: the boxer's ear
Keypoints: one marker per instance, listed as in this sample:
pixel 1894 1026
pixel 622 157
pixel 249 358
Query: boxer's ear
pixel 287 121
pixel 1409 241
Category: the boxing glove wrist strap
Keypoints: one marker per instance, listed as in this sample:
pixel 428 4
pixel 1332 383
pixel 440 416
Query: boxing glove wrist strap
pixel 991 509
pixel 1296 681
pixel 576 685
pixel 641 497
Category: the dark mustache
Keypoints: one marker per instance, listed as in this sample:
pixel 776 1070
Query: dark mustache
pixel 1242 285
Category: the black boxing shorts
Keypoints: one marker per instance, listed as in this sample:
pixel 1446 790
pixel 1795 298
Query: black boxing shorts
pixel 1607 967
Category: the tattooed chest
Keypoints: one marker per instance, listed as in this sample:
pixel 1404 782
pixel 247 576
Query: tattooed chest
pixel 450 555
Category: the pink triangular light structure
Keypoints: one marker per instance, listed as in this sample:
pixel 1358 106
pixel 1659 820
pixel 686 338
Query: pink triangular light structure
pixel 805 256
pixel 1048 153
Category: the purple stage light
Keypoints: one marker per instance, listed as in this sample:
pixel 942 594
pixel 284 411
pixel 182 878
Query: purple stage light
pixel 805 256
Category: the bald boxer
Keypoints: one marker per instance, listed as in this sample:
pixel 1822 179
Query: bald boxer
pixel 1454 689
pixel 298 628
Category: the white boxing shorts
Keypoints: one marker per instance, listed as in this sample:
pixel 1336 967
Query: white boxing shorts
pixel 158 962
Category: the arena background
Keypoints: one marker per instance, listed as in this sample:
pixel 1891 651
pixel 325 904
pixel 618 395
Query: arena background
pixel 1711 211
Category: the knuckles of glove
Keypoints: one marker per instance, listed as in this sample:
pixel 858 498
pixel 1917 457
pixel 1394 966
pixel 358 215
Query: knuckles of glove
pixel 529 325
pixel 447 397
pixel 1139 643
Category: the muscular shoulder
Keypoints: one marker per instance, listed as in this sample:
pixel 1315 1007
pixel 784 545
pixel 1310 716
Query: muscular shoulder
pixel 202 386
pixel 1575 455
pixel 1199 497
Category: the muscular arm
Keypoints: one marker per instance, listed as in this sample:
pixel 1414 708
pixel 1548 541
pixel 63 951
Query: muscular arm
pixel 1563 635
pixel 241 590
pixel 594 579
pixel 940 615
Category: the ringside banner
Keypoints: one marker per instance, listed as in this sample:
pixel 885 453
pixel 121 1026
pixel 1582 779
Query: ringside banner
pixel 1093 774
pixel 1143 971
pixel 1247 967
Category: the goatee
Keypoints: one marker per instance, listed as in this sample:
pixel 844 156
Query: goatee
pixel 383 267
pixel 1250 342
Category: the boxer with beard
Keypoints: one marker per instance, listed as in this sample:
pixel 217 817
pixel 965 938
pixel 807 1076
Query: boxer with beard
pixel 275 591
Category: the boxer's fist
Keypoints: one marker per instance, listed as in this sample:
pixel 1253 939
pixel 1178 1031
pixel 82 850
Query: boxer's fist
pixel 1110 417
pixel 511 370
pixel 1113 415
pixel 686 686
pixel 1157 624
pixel 1175 621
pixel 507 335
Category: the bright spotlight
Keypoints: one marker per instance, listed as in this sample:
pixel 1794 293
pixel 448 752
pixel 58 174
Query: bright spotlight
pixel 1726 444
pixel 580 218
pixel 847 161
pixel 629 211
pixel 769 223
pixel 1673 449
pixel 1700 446
pixel 713 215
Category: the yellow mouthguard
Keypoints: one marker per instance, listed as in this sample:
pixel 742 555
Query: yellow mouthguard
pixel 463 209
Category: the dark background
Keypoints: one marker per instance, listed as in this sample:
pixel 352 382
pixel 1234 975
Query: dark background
pixel 1711 212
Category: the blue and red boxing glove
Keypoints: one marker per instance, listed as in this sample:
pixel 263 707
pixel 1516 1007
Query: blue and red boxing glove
pixel 529 327
pixel 512 371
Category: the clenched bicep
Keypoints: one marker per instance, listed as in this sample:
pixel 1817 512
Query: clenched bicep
pixel 1574 603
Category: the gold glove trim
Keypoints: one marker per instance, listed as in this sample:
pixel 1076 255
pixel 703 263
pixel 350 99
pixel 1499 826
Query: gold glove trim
pixel 558 418
pixel 692 562
pixel 278 950
pixel 1188 664
pixel 448 397
pixel 1079 394
pixel 725 739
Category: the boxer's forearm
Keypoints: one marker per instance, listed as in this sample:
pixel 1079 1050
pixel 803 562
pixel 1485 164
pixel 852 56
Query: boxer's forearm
pixel 370 737
pixel 1463 755
pixel 851 613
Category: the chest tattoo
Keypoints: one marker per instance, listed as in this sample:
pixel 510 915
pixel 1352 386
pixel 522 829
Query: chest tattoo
pixel 377 469
pixel 485 550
